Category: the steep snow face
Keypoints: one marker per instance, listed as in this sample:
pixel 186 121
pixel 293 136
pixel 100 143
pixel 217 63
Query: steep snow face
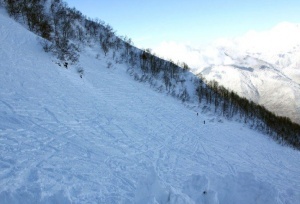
pixel 106 138
pixel 261 66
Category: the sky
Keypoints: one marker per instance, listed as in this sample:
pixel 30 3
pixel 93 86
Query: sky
pixel 193 22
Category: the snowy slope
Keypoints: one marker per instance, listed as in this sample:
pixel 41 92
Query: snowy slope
pixel 261 66
pixel 106 138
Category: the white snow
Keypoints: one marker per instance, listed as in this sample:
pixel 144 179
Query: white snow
pixel 106 138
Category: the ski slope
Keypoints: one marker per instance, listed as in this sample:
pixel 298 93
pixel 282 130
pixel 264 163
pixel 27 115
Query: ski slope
pixel 106 138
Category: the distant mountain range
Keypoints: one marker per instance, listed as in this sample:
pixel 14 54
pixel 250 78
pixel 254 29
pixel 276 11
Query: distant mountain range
pixel 261 66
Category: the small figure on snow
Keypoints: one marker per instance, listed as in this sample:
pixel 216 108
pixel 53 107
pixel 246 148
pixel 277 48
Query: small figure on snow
pixel 66 65
pixel 204 122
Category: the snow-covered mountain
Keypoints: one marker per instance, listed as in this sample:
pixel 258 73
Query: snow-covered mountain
pixel 106 138
pixel 261 66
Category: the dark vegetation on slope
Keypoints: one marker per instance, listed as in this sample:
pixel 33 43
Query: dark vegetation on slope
pixel 65 31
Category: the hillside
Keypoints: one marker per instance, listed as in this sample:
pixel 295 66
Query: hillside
pixel 106 138
pixel 65 32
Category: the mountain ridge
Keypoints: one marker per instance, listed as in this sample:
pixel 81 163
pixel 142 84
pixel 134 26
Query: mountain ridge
pixel 277 49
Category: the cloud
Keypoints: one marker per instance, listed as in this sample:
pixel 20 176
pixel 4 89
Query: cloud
pixel 196 58
pixel 178 52
pixel 281 38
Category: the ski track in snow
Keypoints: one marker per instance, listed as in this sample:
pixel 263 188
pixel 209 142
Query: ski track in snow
pixel 108 139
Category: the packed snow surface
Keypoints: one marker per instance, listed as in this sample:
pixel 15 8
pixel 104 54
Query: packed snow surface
pixel 106 138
